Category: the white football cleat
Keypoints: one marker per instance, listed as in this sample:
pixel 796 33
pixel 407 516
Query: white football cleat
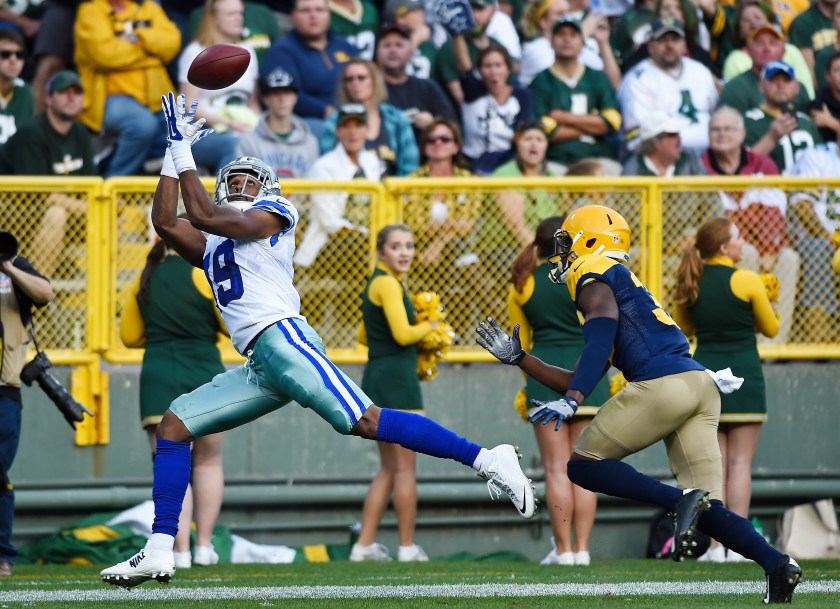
pixel 149 563
pixel 412 553
pixel 583 558
pixel 205 556
pixel 504 474
pixel 375 551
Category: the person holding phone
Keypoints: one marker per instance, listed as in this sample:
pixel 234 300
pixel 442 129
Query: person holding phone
pixel 775 128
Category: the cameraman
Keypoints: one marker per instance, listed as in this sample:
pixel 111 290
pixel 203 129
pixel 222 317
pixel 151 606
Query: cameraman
pixel 21 287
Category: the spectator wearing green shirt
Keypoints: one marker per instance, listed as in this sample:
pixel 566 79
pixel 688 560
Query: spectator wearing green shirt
pixel 823 55
pixel 813 30
pixel 358 22
pixel 446 69
pixel 411 14
pixel 765 44
pixel 577 102
pixel 18 101
pixel 54 143
pixel 775 128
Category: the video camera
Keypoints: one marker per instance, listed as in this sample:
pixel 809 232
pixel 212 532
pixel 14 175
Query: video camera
pixel 36 370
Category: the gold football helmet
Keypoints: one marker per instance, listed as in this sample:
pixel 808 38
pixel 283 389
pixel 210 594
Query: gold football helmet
pixel 592 229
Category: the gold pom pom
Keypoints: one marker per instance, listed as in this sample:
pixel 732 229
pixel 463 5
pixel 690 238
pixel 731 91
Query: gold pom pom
pixel 426 366
pixel 771 284
pixel 617 383
pixel 435 345
pixel 428 307
pixel 520 402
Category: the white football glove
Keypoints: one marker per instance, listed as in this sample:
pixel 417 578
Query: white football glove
pixel 507 349
pixel 182 130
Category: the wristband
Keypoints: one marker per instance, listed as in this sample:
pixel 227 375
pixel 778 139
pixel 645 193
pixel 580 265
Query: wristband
pixel 182 156
pixel 168 169
pixel 599 334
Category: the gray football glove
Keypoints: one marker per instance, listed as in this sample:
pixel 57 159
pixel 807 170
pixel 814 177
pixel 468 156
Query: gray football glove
pixel 545 412
pixel 507 349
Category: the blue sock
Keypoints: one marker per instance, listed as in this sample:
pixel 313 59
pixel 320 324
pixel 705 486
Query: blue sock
pixel 422 435
pixel 737 533
pixel 618 479
pixel 172 475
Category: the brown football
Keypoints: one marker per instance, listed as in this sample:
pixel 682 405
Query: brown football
pixel 218 66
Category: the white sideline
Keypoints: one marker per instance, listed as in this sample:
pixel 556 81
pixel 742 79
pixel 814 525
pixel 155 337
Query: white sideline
pixel 155 592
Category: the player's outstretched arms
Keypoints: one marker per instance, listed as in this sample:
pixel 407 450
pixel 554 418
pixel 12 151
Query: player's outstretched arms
pixel 178 233
pixel 508 350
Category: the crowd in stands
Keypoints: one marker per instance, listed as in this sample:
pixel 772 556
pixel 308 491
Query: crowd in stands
pixel 631 87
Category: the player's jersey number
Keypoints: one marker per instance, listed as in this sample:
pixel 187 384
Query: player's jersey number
pixel 227 278
pixel 658 312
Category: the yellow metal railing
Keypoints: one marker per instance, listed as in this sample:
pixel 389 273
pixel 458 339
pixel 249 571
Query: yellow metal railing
pixel 92 236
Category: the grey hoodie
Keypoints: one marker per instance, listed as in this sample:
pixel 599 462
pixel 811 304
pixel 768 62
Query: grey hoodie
pixel 290 156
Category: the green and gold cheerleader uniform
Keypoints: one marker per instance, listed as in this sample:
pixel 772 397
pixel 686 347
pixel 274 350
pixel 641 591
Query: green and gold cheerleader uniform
pixel 390 377
pixel 732 305
pixel 179 327
pixel 548 320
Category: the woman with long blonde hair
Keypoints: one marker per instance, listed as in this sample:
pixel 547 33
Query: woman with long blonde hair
pixel 550 327
pixel 724 306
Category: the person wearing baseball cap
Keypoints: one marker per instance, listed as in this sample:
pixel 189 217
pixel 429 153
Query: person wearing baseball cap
pixel 670 81
pixel 660 150
pixel 347 160
pixel 281 138
pixel 764 44
pixel 775 128
pixel 419 99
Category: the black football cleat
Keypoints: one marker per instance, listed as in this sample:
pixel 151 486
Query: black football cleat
pixel 782 580
pixel 686 513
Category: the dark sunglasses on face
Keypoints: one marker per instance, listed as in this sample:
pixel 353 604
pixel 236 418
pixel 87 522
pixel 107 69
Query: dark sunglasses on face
pixel 8 54
pixel 433 139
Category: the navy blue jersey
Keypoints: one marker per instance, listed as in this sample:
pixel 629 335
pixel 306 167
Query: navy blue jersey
pixel 648 343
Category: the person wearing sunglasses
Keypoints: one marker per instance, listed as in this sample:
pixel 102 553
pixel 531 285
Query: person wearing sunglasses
pixel 20 104
pixel 389 135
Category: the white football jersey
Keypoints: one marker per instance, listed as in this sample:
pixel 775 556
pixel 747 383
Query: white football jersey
pixel 691 94
pixel 253 281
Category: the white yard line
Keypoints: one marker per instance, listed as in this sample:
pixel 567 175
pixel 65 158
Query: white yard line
pixel 155 592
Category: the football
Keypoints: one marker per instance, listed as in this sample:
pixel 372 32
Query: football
pixel 218 66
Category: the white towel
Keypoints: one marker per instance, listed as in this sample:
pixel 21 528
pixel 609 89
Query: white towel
pixel 725 380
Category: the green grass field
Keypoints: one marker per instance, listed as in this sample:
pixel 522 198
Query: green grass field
pixel 471 585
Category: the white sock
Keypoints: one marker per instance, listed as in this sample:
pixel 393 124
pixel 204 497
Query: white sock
pixel 161 541
pixel 483 460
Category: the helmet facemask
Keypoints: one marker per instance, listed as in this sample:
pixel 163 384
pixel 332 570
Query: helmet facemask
pixel 563 256
pixel 252 170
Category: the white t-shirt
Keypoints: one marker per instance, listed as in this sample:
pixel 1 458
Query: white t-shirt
pixel 690 93
pixel 252 281
pixel 214 100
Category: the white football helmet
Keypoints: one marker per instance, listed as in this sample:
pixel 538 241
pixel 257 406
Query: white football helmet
pixel 253 169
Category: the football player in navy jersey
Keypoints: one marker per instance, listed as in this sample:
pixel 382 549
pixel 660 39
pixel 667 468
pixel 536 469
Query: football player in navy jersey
pixel 668 396
pixel 246 250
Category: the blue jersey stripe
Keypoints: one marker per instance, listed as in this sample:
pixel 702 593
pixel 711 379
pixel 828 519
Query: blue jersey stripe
pixel 321 363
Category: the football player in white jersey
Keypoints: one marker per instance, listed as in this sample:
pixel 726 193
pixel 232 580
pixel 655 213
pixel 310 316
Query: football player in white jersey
pixel 247 258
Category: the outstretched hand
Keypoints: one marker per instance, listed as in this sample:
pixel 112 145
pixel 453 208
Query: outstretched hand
pixel 561 409
pixel 507 349
pixel 181 125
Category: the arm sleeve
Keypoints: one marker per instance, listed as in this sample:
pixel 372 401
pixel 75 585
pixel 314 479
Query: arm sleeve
pixel 835 262
pixel 599 335
pixel 132 328
pixel 388 292
pixel 747 286
pixel 362 335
